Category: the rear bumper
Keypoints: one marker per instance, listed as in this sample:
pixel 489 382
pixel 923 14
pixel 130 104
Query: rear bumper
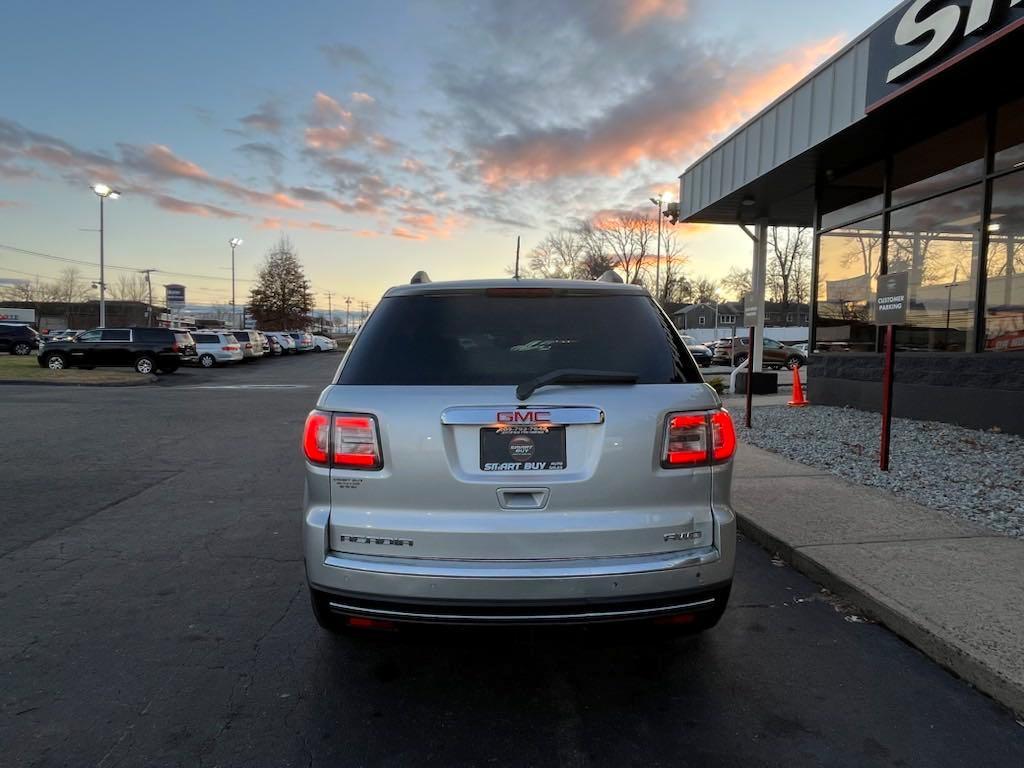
pixel 579 590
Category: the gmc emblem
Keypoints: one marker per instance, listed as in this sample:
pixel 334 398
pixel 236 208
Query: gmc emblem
pixel 524 417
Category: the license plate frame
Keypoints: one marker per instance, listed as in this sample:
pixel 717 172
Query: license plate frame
pixel 522 448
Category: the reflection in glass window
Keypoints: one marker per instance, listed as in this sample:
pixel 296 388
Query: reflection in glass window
pixel 853 196
pixel 948 160
pixel 937 242
pixel 848 265
pixel 1004 293
pixel 1010 136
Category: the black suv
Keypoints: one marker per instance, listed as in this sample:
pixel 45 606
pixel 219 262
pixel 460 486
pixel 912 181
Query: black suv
pixel 18 338
pixel 144 349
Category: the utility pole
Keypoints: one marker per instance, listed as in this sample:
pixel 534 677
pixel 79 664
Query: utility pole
pixel 330 308
pixel 149 283
pixel 348 303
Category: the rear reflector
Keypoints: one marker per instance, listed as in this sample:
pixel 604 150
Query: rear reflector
pixel 355 442
pixel 315 437
pixel 361 622
pixel 679 618
pixel 698 439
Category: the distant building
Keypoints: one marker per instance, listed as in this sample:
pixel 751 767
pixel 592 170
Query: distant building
pixel 58 315
pixel 729 314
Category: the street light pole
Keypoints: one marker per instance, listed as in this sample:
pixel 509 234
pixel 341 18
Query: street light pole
pixel 234 242
pixel 103 192
pixel 659 201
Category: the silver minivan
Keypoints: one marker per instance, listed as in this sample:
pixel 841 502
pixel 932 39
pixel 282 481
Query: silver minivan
pixel 518 452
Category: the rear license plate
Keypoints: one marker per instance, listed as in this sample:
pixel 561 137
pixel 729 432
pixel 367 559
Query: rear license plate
pixel 522 448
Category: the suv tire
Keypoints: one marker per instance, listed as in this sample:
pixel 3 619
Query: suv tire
pixel 21 348
pixel 145 364
pixel 207 360
pixel 794 361
pixel 56 362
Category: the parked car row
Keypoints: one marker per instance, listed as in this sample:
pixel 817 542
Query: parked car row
pixel 163 350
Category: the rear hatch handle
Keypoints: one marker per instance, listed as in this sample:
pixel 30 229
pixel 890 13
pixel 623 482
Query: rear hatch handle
pixel 574 376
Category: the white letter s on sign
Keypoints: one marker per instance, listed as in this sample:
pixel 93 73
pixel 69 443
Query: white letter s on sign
pixel 942 24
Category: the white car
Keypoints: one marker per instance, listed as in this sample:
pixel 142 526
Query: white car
pixel 216 348
pixel 324 344
pixel 287 342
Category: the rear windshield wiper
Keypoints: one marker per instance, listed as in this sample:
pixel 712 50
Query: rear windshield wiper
pixel 574 376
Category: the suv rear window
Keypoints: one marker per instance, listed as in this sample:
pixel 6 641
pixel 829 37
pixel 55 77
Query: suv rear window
pixel 469 338
pixel 241 335
pixel 152 335
pixel 205 338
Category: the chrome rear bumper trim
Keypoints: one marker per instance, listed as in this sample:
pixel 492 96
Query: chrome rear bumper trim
pixel 635 613
pixel 524 569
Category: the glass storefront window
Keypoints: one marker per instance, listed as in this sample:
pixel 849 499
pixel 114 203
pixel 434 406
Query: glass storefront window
pixel 952 158
pixel 1010 136
pixel 938 243
pixel 1004 291
pixel 853 196
pixel 848 265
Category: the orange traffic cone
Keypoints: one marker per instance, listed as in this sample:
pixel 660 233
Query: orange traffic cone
pixel 798 401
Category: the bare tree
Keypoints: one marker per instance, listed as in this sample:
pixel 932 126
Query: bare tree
pixel 674 283
pixel 71 287
pixel 704 290
pixel 129 286
pixel 738 283
pixel 559 255
pixel 28 290
pixel 789 256
pixel 625 239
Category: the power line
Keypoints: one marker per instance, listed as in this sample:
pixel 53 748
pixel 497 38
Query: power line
pixel 67 260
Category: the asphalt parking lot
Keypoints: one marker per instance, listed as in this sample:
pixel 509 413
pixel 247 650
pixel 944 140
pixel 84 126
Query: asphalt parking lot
pixel 154 612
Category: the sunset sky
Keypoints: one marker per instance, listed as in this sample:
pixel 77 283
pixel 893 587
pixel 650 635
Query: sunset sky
pixel 382 137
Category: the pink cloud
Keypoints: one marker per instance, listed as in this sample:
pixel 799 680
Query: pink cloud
pixel 425 226
pixel 652 129
pixel 358 97
pixel 636 13
pixel 176 205
pixel 274 223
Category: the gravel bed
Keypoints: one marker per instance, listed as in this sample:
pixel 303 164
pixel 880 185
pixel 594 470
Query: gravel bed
pixel 968 474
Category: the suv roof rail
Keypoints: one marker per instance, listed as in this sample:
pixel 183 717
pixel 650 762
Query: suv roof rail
pixel 611 276
pixel 419 278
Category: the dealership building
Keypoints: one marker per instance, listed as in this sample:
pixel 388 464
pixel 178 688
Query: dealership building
pixel 905 153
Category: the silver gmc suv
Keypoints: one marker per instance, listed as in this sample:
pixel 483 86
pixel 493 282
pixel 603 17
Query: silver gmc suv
pixel 518 452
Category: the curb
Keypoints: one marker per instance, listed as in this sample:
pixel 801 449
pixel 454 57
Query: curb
pixel 939 649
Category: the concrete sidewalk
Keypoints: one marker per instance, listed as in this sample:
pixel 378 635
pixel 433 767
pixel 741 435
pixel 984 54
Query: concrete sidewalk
pixel 954 590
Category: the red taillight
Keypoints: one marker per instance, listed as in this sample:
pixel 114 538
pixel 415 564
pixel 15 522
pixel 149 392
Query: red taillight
pixel 315 437
pixel 355 442
pixel 698 439
pixel 248 345
pixel 723 436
